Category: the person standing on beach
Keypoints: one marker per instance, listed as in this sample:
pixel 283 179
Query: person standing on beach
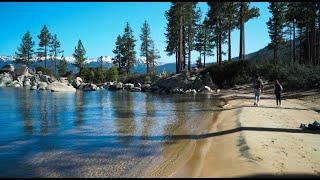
pixel 258 89
pixel 277 91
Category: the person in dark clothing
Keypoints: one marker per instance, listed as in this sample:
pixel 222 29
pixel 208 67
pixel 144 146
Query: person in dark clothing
pixel 277 91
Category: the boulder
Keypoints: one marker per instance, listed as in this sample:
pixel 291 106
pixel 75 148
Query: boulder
pixel 191 91
pixel 146 87
pixel 5 79
pixel 137 85
pixel 21 71
pixel 207 80
pixel 42 86
pixel 60 87
pixel 7 68
pixel 16 83
pixel 46 78
pixel 77 82
pixel 33 87
pixel 90 87
pixel 135 89
pixel 177 91
pixel 35 80
pixel 26 82
pixel 64 80
pixel 206 90
pixel 128 86
pixel 115 86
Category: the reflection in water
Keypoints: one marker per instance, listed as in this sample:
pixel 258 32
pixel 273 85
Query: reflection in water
pixel 43 112
pixel 25 107
pixel 79 102
pixel 99 133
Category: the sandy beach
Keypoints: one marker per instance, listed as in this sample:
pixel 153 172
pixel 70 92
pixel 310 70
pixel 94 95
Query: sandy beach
pixel 244 140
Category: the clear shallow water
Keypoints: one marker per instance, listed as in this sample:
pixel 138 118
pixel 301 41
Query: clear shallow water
pixel 90 134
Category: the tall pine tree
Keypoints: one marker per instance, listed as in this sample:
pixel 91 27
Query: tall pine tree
pixel 245 13
pixel 44 38
pixel 80 56
pixel 25 50
pixel 276 25
pixel 129 54
pixel 55 50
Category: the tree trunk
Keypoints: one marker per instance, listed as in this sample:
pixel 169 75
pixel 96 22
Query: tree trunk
pixel 45 56
pixel 217 47
pixel 180 44
pixel 205 47
pixel 229 44
pixel 241 49
pixel 294 43
pixel 220 49
pixel 189 53
pixel 177 62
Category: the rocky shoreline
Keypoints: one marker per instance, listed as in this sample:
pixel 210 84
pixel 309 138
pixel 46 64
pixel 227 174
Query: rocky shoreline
pixel 181 83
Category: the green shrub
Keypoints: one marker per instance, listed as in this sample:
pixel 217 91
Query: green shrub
pixel 45 71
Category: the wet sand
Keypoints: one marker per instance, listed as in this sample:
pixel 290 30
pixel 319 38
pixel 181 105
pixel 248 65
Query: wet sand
pixel 253 141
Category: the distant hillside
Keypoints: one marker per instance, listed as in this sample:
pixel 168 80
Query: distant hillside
pixel 266 54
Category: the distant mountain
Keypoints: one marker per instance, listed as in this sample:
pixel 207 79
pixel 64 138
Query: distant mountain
pixel 93 62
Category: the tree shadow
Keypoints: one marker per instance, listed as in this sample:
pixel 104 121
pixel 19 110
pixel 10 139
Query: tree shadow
pixel 291 175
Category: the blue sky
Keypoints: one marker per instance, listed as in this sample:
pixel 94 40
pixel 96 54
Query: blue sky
pixel 98 24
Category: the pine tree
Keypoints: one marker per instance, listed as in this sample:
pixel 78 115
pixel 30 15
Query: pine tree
pixel 216 23
pixel 44 38
pixel 153 56
pixel 203 41
pixel 25 50
pixel 146 43
pixel 55 50
pixel 192 17
pixel 118 51
pixel 100 61
pixel 230 22
pixel 62 66
pixel 276 25
pixel 79 55
pixel 129 54
pixel 245 13
pixel 180 33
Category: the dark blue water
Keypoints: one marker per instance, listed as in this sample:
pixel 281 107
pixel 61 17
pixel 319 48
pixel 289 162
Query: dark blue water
pixel 89 134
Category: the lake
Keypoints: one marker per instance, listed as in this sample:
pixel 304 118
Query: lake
pixel 95 134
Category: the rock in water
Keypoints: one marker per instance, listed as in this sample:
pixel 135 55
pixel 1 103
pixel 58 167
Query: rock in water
pixel 77 82
pixel 128 86
pixel 5 79
pixel 16 84
pixel 27 82
pixel 135 89
pixel 206 90
pixel 33 88
pixel 42 86
pixel 90 87
pixel 60 87
pixel 115 86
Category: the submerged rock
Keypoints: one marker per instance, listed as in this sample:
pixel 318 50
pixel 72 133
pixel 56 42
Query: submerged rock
pixel 135 89
pixel 60 87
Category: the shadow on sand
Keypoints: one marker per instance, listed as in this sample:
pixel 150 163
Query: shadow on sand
pixel 297 175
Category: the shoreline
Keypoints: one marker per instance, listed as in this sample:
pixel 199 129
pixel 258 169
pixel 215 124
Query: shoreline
pixel 261 148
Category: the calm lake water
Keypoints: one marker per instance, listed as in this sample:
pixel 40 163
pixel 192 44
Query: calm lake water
pixel 91 134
